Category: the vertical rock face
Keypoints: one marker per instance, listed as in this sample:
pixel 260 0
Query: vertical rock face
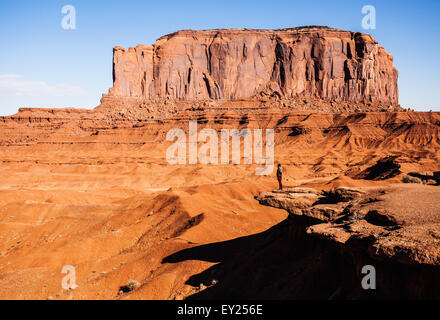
pixel 319 62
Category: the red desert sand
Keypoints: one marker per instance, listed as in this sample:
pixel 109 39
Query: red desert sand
pixel 92 189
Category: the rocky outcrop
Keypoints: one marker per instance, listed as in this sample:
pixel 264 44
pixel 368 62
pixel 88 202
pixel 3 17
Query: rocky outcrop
pixel 394 228
pixel 319 251
pixel 314 62
pixel 397 222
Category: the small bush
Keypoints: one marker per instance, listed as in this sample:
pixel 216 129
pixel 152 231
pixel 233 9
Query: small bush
pixel 411 179
pixel 132 285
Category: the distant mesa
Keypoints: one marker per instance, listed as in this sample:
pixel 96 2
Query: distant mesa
pixel 232 64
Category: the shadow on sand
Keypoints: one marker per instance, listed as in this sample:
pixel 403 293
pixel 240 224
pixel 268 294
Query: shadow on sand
pixel 278 263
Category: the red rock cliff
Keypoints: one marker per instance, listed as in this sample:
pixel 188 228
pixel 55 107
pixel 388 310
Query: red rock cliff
pixel 320 62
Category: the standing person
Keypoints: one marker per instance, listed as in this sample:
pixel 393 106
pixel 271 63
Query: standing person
pixel 280 176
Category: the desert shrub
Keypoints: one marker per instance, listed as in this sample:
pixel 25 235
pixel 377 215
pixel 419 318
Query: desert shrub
pixel 132 285
pixel 411 179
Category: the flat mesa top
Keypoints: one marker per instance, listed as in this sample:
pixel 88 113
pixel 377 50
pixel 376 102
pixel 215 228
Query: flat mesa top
pixel 296 30
pixel 212 33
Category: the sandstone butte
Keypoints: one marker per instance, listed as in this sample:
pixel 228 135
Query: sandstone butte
pixel 92 188
pixel 326 63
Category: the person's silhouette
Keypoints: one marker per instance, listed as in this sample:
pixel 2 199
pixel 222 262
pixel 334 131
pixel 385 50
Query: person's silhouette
pixel 280 176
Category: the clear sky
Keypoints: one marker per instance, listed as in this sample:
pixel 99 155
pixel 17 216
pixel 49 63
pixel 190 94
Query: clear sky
pixel 43 65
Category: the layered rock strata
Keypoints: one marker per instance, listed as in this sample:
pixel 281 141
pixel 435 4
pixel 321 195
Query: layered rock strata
pixel 225 65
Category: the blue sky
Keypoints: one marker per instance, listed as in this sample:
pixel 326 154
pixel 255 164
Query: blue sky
pixel 43 65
